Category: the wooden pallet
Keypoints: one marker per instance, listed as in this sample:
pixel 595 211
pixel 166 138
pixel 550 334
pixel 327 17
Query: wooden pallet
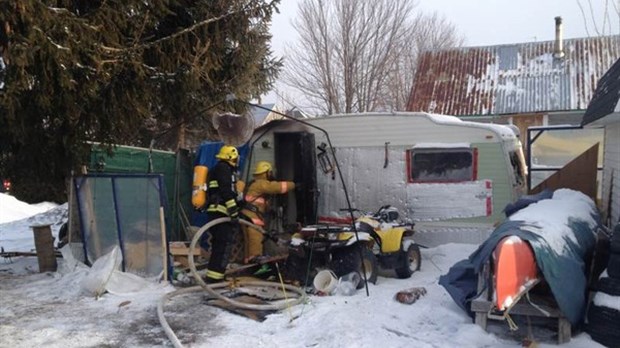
pixel 484 308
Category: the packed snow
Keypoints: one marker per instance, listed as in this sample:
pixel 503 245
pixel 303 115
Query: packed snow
pixel 551 217
pixel 12 209
pixel 52 310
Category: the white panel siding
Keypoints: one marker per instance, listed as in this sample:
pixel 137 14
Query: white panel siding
pixel 611 167
pixel 407 129
pixel 371 186
pixel 437 201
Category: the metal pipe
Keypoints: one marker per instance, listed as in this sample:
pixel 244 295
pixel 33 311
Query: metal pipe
pixel 559 40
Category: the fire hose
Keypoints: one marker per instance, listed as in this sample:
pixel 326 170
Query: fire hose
pixel 211 288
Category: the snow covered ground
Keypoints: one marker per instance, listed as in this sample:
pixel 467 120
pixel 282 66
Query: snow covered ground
pixel 51 310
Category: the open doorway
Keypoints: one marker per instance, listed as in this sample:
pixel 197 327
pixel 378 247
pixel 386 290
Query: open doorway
pixel 295 161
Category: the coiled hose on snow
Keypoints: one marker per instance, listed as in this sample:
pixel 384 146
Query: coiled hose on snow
pixel 211 288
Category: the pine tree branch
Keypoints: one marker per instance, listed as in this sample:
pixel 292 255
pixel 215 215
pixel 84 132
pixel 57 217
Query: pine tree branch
pixel 180 32
pixel 139 33
pixel 60 47
pixel 108 61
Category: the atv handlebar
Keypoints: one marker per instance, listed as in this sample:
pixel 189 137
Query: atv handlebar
pixel 378 215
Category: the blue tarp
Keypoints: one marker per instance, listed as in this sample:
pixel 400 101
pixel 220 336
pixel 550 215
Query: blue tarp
pixel 205 155
pixel 461 282
pixel 563 266
pixel 526 201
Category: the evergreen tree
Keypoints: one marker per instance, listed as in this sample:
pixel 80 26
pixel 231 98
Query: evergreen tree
pixel 119 72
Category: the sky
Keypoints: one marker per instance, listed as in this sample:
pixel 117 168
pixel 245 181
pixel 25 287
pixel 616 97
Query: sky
pixel 58 309
pixel 486 22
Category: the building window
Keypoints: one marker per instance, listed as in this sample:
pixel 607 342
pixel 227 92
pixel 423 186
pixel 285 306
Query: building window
pixel 434 165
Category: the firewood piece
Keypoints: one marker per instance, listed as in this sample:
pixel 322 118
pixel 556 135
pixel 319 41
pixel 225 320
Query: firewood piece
pixel 409 296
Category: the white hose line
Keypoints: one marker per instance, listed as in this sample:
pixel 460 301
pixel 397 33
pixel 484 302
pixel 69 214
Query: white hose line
pixel 160 309
pixel 162 319
pixel 201 282
pixel 211 287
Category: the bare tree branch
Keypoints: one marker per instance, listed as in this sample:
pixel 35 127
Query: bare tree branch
pixel 359 56
pixel 583 15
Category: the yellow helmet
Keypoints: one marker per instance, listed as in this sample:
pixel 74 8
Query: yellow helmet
pixel 228 153
pixel 262 167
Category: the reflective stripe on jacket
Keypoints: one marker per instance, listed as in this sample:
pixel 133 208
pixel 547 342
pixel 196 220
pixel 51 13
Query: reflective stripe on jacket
pixel 221 189
pixel 256 193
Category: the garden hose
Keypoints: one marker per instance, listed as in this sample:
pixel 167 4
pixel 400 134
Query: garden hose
pixel 211 288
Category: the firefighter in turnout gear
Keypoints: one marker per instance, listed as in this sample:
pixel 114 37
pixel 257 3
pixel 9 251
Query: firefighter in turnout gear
pixel 257 203
pixel 221 202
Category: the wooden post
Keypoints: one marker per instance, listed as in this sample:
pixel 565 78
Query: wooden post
pixel 44 244
pixel 564 330
pixel 164 245
pixel 481 317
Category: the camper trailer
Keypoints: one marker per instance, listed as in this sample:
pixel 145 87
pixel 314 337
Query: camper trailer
pixel 452 178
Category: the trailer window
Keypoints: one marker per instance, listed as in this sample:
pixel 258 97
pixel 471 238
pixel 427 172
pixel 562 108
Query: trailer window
pixel 441 165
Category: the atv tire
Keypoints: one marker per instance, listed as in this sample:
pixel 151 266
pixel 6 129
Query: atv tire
pixel 614 245
pixel 604 325
pixel 409 262
pixel 296 269
pixel 613 266
pixel 347 260
pixel 609 286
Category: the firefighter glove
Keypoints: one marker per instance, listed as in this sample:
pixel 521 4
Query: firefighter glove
pixel 233 212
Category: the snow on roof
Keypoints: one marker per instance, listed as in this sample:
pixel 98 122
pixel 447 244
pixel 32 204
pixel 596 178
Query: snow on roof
pixel 441 145
pixel 512 79
pixel 504 132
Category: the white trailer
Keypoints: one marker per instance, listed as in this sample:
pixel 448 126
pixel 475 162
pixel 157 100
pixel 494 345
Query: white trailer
pixel 453 178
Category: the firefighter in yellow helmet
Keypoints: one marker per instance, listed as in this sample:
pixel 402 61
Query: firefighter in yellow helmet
pixel 221 202
pixel 257 203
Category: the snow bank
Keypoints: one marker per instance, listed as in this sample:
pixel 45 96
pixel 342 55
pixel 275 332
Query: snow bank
pixel 12 209
pixel 16 219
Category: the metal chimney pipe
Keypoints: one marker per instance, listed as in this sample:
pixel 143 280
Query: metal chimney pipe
pixel 559 44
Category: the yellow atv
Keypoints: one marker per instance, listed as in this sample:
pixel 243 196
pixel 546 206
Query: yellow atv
pixel 383 242
pixel 393 245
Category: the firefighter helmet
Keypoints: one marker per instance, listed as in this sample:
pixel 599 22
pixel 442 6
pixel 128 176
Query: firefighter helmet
pixel 228 153
pixel 262 167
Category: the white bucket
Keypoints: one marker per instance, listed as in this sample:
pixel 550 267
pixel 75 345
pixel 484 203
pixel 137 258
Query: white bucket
pixel 325 281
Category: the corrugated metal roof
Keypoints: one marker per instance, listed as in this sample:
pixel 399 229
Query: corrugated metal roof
pixel 512 79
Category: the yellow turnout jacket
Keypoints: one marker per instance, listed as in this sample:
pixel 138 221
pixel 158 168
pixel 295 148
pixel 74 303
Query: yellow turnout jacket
pixel 256 196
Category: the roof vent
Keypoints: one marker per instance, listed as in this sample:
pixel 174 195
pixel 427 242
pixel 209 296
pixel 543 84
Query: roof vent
pixel 558 51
